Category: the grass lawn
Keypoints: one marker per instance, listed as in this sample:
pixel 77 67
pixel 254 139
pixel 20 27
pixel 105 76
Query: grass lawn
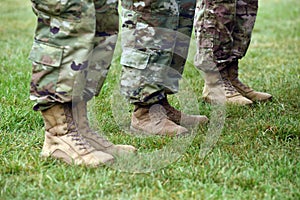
pixel 256 156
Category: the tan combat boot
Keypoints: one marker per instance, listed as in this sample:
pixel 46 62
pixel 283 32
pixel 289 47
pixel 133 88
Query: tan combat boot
pixel 245 90
pixel 181 118
pixel 152 120
pixel 97 141
pixel 218 88
pixel 63 141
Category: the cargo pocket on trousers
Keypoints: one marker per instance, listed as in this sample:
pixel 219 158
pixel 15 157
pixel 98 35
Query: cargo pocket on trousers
pixel 46 62
pixel 135 59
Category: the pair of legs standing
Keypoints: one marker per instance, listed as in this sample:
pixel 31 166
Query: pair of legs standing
pixel 223 32
pixel 155 43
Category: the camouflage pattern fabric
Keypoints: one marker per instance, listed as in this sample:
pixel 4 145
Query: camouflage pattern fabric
pixel 68 36
pixel 155 41
pixel 223 31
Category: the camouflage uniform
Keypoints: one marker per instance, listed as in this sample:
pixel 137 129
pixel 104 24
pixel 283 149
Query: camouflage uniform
pixel 223 31
pixel 155 41
pixel 71 54
pixel 68 37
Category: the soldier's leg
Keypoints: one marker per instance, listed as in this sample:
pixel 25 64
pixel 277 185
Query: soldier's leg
pixel 106 35
pixel 183 34
pixel 214 22
pixel 64 38
pixel 246 12
pixel 181 49
pixel 93 77
pixel 148 41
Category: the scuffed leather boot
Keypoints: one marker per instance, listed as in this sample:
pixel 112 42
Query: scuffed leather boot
pixel 218 88
pixel 245 90
pixel 97 141
pixel 181 118
pixel 152 120
pixel 63 141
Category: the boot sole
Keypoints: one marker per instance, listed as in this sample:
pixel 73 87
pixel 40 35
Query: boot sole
pixel 143 133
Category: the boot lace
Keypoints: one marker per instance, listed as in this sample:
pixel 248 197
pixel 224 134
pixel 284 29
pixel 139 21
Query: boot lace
pixel 226 84
pixel 228 87
pixel 73 133
pixel 88 131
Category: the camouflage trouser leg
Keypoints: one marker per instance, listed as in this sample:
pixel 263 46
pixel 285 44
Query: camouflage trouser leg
pixel 64 38
pixel 155 39
pixel 106 35
pixel 246 11
pixel 184 33
pixel 223 31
